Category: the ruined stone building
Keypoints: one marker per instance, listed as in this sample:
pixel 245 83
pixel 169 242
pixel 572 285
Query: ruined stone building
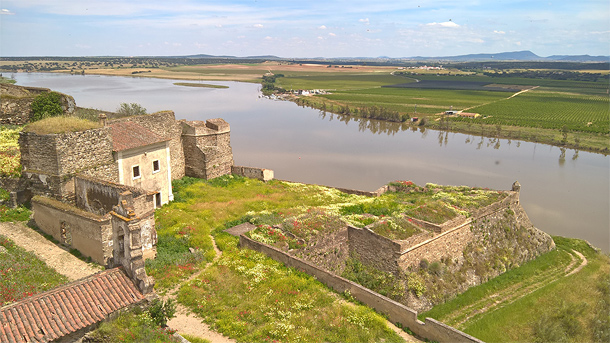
pixel 96 190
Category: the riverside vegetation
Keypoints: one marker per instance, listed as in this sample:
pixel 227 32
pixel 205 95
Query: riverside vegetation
pixel 228 292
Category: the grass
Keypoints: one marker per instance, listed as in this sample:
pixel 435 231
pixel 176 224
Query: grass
pixel 10 156
pixel 22 274
pixel 60 125
pixel 250 297
pixel 203 85
pixel 134 326
pixel 516 301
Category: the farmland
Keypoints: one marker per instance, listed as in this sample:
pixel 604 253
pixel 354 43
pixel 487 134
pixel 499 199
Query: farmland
pixel 557 108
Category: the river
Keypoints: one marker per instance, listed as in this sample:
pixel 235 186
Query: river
pixel 565 193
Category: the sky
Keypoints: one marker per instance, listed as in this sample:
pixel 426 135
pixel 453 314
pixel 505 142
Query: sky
pixel 302 29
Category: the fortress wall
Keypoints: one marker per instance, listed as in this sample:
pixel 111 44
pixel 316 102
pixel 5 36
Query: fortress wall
pixel 88 233
pixel 253 173
pixel 15 111
pixel 99 197
pixel 396 312
pixel 373 250
pixel 207 148
pixel 164 124
pixel 451 244
pixel 83 150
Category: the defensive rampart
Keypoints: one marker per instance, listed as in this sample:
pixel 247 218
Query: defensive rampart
pixel 396 312
pixel 16 102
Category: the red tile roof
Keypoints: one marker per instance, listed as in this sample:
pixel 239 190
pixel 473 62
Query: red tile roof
pixel 61 311
pixel 128 135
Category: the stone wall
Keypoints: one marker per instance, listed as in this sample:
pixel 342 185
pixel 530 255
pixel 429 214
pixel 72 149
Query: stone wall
pixel 253 173
pixel 100 197
pixel 49 161
pixel 373 250
pixel 396 312
pixel 207 148
pixel 164 125
pixel 16 101
pixel 89 233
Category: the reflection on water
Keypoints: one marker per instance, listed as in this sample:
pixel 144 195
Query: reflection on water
pixel 563 195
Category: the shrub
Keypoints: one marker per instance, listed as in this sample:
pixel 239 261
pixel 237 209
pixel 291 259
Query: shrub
pixel 160 312
pixel 46 105
pixel 132 109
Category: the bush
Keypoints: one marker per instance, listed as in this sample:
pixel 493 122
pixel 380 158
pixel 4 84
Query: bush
pixel 160 312
pixel 132 109
pixel 46 105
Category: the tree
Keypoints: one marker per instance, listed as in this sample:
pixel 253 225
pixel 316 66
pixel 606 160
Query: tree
pixel 132 109
pixel 46 105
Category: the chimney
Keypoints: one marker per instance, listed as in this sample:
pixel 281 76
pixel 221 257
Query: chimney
pixel 102 117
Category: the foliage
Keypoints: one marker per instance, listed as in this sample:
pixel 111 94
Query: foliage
pixel 559 324
pixel 131 109
pixel 18 214
pixel 133 326
pixel 60 124
pixel 161 311
pixel 22 274
pixel 250 297
pixel 46 105
pixel 7 80
pixel 384 283
pixel 537 299
pixel 10 156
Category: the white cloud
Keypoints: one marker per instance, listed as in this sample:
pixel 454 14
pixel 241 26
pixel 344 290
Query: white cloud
pixel 499 32
pixel 4 11
pixel 322 27
pixel 320 38
pixel 332 34
pixel 365 21
pixel 258 26
pixel 599 32
pixel 268 38
pixel 444 24
pixel 219 26
pixel 518 43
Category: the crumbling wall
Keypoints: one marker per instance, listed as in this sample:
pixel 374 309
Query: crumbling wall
pixel 50 161
pixel 16 102
pixel 253 173
pixel 207 148
pixel 99 197
pixel 89 233
pixel 373 250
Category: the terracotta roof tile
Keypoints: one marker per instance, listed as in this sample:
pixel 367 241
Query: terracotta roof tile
pixel 53 314
pixel 129 135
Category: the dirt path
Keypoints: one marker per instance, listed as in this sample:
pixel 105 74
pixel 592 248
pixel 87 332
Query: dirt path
pixel 185 322
pixel 54 256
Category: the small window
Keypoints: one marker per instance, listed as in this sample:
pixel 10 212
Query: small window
pixel 156 166
pixel 136 172
pixel 158 199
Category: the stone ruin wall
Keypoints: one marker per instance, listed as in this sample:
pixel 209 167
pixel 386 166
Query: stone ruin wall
pixel 207 148
pixel 100 197
pixel 16 101
pixel 50 161
pixel 373 250
pixel 164 124
pixel 87 232
pixel 378 252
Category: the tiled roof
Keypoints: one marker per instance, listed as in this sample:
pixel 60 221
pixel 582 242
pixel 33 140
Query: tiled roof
pixel 61 311
pixel 128 135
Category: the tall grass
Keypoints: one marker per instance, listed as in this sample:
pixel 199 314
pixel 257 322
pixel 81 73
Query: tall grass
pixel 22 274
pixel 60 124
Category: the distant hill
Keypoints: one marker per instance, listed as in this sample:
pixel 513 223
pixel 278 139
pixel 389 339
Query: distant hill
pixel 525 55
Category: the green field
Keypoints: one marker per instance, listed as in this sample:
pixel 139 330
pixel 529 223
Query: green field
pixel 415 101
pixel 550 108
pixel 574 114
pixel 538 301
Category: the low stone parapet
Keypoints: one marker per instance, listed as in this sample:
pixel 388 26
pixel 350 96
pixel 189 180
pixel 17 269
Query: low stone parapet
pixel 253 173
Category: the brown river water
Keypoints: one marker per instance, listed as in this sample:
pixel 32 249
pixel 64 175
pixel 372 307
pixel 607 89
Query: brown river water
pixel 565 192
